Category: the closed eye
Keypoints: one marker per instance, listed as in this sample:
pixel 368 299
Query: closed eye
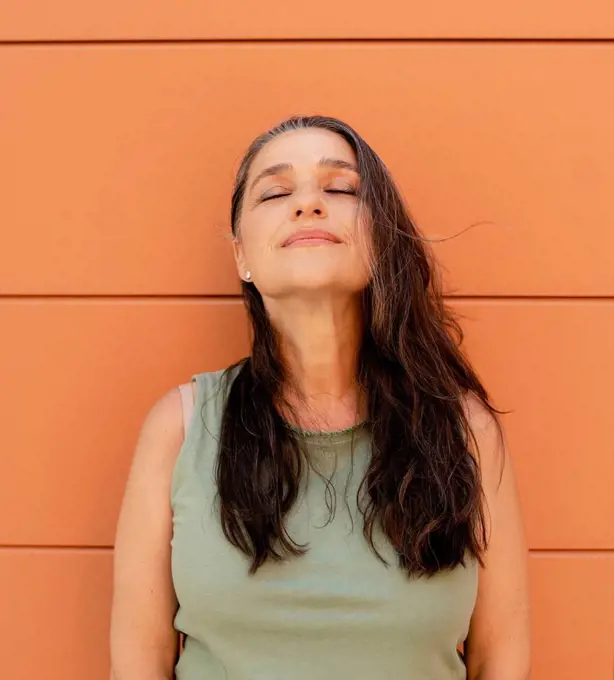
pixel 271 197
pixel 351 192
pixel 341 191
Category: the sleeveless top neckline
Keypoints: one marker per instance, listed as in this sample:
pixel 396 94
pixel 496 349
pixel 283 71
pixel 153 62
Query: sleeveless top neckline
pixel 328 436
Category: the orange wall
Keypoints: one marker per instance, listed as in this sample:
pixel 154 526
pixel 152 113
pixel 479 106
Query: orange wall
pixel 121 126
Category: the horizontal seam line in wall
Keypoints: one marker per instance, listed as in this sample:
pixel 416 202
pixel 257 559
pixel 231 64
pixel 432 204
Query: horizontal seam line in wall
pixel 571 552
pixel 224 297
pixel 42 548
pixel 532 298
pixel 295 41
pixel 538 552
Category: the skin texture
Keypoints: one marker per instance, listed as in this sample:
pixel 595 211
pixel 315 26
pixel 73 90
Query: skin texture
pixel 311 292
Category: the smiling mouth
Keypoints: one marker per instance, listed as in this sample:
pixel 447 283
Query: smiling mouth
pixel 310 237
pixel 305 242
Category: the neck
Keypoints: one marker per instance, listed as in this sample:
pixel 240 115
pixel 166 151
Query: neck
pixel 319 341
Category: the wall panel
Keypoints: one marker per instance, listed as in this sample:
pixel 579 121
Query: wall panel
pixel 550 363
pixel 241 19
pixel 78 379
pixel 55 614
pixel 80 375
pixel 119 159
pixel 573 617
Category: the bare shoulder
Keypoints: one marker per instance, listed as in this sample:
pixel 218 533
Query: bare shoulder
pixel 149 480
pixel 162 433
pixel 488 445
pixel 164 418
pixel 480 418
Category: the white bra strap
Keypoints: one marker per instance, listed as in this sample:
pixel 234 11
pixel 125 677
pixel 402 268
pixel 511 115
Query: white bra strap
pixel 187 405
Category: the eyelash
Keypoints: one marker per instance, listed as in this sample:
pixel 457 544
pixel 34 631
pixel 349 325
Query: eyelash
pixel 350 192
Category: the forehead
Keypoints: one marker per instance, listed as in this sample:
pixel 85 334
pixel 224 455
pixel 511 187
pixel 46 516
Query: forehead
pixel 303 148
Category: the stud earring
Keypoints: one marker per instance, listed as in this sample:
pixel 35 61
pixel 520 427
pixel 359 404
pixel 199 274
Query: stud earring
pixel 248 276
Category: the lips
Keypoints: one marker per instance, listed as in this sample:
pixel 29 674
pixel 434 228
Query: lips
pixel 312 236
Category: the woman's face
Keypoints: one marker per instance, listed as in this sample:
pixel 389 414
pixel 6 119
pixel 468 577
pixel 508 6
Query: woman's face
pixel 300 228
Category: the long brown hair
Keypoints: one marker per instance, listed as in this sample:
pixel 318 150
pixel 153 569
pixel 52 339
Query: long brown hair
pixel 422 486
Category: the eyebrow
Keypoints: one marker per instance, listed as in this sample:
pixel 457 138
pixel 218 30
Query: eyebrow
pixel 284 167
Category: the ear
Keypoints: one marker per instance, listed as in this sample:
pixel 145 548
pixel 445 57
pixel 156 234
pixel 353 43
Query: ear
pixel 237 249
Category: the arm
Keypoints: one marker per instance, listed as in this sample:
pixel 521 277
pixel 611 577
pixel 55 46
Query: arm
pixel 498 645
pixel 143 640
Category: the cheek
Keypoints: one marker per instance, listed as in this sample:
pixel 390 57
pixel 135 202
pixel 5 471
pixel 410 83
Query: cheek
pixel 255 241
pixel 361 235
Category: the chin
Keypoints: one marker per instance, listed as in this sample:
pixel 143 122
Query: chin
pixel 323 278
pixel 323 286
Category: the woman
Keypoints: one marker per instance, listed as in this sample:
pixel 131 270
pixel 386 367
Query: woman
pixel 341 503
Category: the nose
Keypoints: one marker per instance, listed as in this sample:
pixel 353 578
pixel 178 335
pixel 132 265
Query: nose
pixel 309 205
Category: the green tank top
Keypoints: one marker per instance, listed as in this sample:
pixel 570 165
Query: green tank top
pixel 335 613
